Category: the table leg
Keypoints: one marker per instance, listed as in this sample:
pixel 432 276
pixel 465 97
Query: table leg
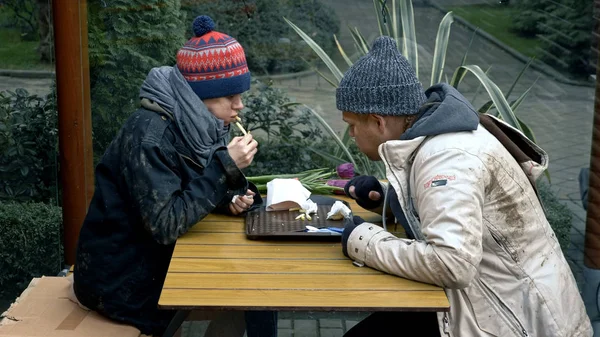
pixel 176 322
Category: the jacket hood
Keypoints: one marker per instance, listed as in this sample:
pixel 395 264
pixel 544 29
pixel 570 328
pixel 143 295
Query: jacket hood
pixel 445 111
pixel 202 132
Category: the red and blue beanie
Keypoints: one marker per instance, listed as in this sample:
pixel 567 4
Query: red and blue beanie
pixel 213 63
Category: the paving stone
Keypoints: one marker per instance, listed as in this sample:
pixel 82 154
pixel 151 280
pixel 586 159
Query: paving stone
pixel 332 332
pixel 285 333
pixel 285 324
pixel 305 328
pixel 330 323
pixel 350 324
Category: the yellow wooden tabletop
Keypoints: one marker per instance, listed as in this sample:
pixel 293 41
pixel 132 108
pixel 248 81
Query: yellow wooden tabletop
pixel 214 266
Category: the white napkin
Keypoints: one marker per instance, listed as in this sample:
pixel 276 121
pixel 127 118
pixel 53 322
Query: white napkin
pixel 283 194
pixel 338 211
pixel 309 206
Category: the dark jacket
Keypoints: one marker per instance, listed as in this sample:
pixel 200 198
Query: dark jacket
pixel 148 193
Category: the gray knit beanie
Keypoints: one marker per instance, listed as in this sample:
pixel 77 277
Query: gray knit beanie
pixel 381 82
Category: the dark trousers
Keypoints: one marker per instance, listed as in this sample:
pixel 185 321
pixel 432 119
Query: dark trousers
pixel 383 324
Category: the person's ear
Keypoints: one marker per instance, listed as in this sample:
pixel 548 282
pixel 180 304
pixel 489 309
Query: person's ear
pixel 379 121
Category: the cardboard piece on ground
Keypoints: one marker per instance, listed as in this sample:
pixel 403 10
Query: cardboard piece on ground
pixel 48 308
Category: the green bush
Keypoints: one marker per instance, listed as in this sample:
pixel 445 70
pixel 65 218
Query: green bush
pixel 284 133
pixel 269 43
pixel 529 16
pixel 126 39
pixel 567 35
pixel 281 158
pixel 22 15
pixel 28 146
pixel 565 29
pixel 30 244
pixel 559 216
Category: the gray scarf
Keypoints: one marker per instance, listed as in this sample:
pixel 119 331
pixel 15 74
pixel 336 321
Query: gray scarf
pixel 202 132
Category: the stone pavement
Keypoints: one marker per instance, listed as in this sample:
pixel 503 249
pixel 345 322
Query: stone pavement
pixel 37 86
pixel 297 324
pixel 560 115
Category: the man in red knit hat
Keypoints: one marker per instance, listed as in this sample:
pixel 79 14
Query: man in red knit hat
pixel 170 166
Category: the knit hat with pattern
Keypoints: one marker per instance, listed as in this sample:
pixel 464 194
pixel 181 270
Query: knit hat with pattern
pixel 213 63
pixel 381 82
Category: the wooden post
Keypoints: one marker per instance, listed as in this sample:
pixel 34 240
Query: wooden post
pixel 592 228
pixel 74 116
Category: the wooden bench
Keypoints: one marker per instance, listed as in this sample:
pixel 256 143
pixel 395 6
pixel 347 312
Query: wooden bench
pixel 48 307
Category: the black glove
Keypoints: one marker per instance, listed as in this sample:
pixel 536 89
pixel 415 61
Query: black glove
pixel 362 186
pixel 349 225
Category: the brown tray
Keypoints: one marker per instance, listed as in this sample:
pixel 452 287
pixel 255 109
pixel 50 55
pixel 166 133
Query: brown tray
pixel 261 224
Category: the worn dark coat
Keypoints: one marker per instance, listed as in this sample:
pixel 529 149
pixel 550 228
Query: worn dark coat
pixel 148 193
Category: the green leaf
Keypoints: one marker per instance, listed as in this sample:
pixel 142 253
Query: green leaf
pixel 385 13
pixel 395 25
pixel 479 86
pixel 362 40
pixel 512 87
pixel 441 45
pixel 379 19
pixel 330 81
pixel 380 168
pixel 331 133
pixel 527 130
pixel 317 49
pixel 464 59
pixel 458 76
pixel 486 107
pixel 24 171
pixel 495 94
pixel 346 58
pixel 409 47
pixel 357 43
pixel 332 158
pixel 345 139
pixel 515 105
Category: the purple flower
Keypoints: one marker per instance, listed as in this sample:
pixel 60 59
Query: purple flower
pixel 345 170
pixel 341 183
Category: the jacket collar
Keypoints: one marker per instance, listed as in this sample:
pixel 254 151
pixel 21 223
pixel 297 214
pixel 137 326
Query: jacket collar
pixel 398 154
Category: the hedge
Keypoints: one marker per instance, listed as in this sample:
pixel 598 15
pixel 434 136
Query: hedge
pixel 30 244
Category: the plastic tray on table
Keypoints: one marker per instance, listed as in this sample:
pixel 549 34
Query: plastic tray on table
pixel 261 224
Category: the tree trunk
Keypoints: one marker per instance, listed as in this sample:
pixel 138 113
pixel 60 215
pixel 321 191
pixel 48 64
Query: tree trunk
pixel 44 17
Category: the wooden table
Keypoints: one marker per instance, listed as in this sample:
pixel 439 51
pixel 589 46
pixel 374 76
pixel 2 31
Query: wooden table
pixel 214 267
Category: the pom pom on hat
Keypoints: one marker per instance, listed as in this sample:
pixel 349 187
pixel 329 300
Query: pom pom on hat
pixel 203 24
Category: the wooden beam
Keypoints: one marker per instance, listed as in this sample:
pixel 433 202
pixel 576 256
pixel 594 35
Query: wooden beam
pixel 74 116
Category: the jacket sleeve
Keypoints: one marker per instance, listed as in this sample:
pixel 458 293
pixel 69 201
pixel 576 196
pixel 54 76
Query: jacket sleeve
pixel 223 206
pixel 168 208
pixel 449 196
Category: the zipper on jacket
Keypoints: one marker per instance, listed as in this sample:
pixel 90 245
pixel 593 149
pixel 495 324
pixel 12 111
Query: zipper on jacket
pixel 502 244
pixel 495 300
pixel 446 324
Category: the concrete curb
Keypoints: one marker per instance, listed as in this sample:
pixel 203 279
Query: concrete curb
pixel 51 74
pixel 536 64
pixel 27 73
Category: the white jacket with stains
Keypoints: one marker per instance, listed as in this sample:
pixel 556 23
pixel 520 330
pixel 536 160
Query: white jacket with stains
pixel 481 235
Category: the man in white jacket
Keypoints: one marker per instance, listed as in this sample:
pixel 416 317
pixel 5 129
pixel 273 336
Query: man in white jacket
pixel 462 185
